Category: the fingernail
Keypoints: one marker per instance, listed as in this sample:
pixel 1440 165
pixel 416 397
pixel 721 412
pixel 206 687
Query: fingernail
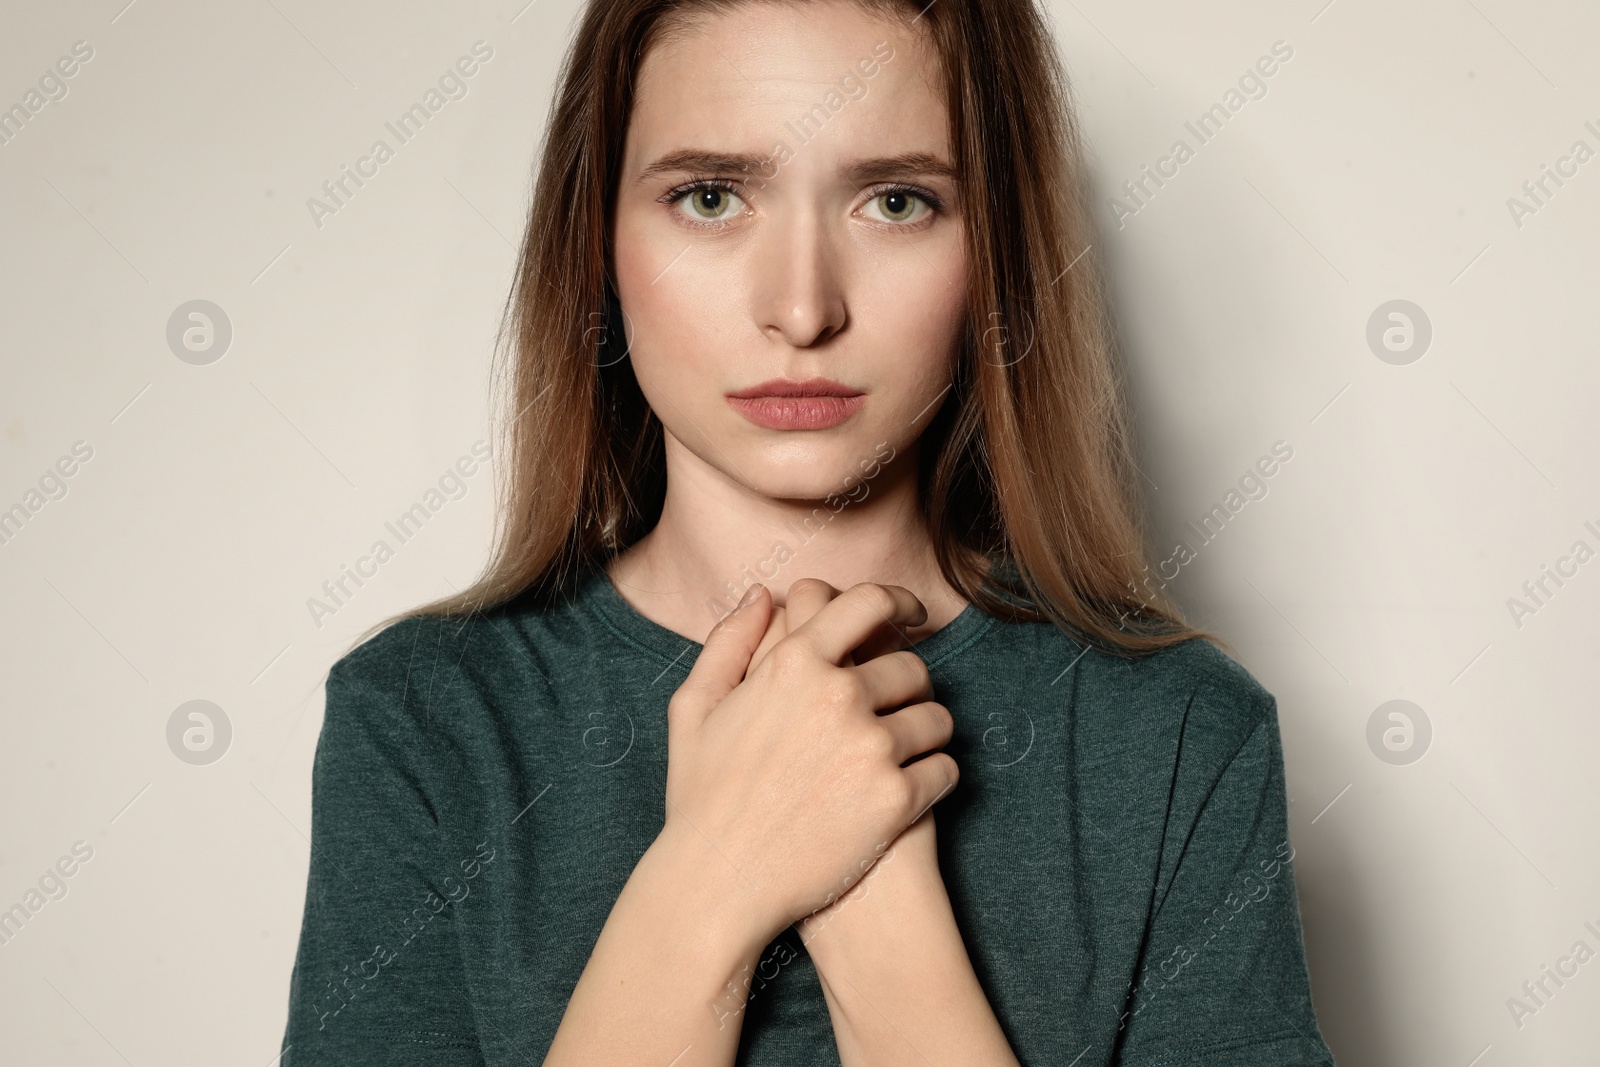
pixel 750 595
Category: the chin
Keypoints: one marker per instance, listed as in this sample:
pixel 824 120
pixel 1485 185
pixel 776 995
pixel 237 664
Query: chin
pixel 802 470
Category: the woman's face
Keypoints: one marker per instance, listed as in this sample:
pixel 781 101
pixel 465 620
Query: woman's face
pixel 835 257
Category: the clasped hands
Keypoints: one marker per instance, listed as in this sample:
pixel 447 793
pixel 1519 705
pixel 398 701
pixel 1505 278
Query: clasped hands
pixel 903 874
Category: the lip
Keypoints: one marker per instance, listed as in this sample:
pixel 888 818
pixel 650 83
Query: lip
pixel 785 387
pixel 781 404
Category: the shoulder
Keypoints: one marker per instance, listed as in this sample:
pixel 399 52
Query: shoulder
pixel 1191 693
pixel 402 657
pixel 419 674
pixel 1192 671
pixel 407 643
pixel 1211 698
pixel 1215 687
pixel 1227 713
pixel 432 657
pixel 1158 735
pixel 457 675
pixel 377 693
pixel 1194 715
pixel 411 708
pixel 379 653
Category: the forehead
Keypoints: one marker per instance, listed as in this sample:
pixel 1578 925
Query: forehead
pixel 745 78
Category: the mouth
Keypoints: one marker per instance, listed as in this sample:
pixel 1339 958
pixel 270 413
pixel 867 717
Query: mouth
pixel 814 404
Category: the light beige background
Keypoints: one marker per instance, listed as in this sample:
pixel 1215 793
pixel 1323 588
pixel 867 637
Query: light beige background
pixel 219 498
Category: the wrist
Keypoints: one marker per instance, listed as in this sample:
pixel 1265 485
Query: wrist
pixel 699 886
pixel 879 967
pixel 892 919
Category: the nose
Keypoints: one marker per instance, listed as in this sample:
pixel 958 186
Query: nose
pixel 798 294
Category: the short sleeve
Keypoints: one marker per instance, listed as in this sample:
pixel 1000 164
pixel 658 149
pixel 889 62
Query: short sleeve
pixel 1223 979
pixel 378 975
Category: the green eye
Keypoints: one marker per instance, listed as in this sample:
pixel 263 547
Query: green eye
pixel 900 203
pixel 709 202
pixel 713 202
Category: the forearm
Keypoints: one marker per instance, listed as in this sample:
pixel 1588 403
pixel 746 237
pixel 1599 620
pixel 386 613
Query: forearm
pixel 665 982
pixel 901 990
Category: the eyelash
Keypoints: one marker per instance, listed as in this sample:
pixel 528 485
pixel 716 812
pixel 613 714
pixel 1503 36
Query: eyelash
pixel 694 185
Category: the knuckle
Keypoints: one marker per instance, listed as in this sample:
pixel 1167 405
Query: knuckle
pixel 844 689
pixel 806 585
pixel 896 796
pixel 952 768
pixel 916 669
pixel 876 596
pixel 880 744
pixel 788 657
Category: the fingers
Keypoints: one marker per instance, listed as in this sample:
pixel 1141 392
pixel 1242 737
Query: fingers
pixel 918 729
pixel 723 661
pixel 807 596
pixel 884 640
pixel 777 630
pixel 895 678
pixel 850 618
pixel 932 779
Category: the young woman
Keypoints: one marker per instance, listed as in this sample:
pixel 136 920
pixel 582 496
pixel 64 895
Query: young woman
pixel 816 707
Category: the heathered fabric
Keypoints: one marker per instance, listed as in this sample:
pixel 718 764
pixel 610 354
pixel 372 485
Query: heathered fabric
pixel 1116 849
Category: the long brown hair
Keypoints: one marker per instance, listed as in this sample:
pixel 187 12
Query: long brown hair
pixel 1026 479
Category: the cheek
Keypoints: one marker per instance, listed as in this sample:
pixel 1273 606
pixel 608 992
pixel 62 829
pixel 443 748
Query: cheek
pixel 922 321
pixel 668 340
pixel 632 259
pixel 929 368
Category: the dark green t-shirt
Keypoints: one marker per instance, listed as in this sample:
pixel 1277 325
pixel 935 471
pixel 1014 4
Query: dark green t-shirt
pixel 1116 851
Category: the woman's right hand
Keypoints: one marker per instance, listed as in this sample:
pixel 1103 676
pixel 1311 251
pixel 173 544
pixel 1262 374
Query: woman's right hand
pixel 789 772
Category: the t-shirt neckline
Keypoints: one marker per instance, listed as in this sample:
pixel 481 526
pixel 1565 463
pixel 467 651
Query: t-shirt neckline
pixel 601 596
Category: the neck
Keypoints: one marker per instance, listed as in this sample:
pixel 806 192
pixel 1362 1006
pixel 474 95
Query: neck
pixel 717 537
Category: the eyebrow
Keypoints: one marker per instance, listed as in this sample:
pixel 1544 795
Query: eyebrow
pixel 858 171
